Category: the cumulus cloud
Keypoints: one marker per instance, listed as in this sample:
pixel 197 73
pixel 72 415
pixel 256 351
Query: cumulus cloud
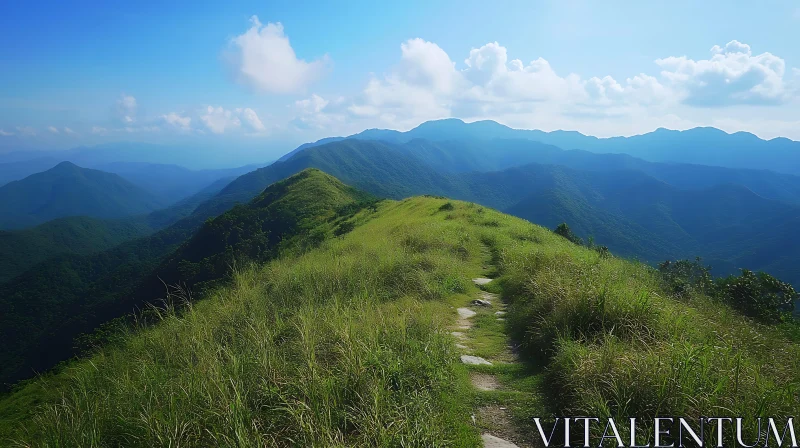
pixel 494 78
pixel 4 133
pixel 425 84
pixel 311 105
pixel 316 112
pixel 733 75
pixel 426 65
pixel 53 129
pixel 69 131
pixel 178 121
pixel 251 120
pixel 126 108
pixel 265 60
pixel 422 86
pixel 217 119
pixel 99 130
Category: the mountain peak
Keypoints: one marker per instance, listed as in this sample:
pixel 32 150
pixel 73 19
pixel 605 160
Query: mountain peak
pixel 64 166
pixel 69 190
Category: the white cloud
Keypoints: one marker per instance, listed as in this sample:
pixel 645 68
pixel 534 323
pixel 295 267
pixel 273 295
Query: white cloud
pixel 265 60
pixel 319 113
pixel 28 131
pixel 126 108
pixel 4 133
pixel 217 120
pixel 313 104
pixel 421 87
pixel 53 129
pixel 494 78
pixel 69 131
pixel 178 121
pixel 99 130
pixel 733 75
pixel 425 84
pixel 426 65
pixel 251 120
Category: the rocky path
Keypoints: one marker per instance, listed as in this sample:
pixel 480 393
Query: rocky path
pixel 484 345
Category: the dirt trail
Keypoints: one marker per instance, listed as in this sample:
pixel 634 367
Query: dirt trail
pixel 483 342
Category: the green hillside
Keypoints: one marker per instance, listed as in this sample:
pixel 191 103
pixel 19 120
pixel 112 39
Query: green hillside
pixel 626 204
pixel 377 167
pixel 21 249
pixel 52 303
pixel 462 155
pixel 634 214
pixel 298 211
pixel 348 342
pixel 69 190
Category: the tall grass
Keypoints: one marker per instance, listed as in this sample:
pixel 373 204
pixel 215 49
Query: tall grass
pixel 347 345
pixel 344 346
pixel 617 344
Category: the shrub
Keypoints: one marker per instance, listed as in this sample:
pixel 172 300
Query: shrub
pixel 564 230
pixel 684 276
pixel 758 295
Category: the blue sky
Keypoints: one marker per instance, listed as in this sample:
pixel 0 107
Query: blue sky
pixel 279 73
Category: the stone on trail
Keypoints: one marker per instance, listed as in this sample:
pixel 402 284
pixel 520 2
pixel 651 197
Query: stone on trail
pixel 465 313
pixel 488 296
pixel 474 360
pixel 458 334
pixel 500 313
pixel 481 302
pixel 480 281
pixel 490 441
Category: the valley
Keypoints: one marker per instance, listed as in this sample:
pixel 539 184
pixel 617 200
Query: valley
pixel 376 228
pixel 357 316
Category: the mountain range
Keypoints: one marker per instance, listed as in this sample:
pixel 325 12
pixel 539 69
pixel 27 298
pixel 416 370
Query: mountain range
pixel 170 183
pixel 69 190
pixel 650 211
pixel 340 332
pixel 703 146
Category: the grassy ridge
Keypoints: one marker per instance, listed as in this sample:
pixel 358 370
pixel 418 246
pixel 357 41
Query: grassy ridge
pixel 44 313
pixel 347 345
pixel 616 343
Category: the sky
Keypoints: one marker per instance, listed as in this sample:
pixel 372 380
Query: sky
pixel 273 74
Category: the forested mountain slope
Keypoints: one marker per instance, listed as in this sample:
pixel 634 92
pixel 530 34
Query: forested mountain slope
pixel 348 342
pixel 69 190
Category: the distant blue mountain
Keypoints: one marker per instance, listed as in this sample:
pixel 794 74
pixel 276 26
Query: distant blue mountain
pixel 69 190
pixel 704 146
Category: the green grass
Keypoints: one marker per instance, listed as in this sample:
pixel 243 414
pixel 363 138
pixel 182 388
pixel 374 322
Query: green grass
pixel 347 344
pixel 616 344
